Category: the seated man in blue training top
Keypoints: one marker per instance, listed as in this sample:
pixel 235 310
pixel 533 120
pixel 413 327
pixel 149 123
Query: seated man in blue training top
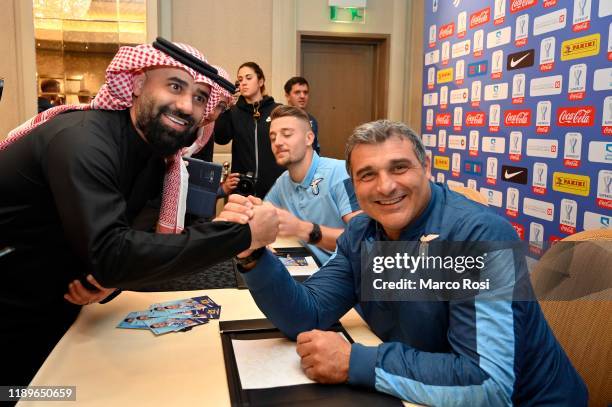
pixel 468 352
pixel 314 197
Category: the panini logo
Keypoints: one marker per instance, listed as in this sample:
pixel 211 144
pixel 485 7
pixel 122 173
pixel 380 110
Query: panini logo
pixel 517 117
pixel 480 17
pixel 445 75
pixel 518 5
pixel 582 47
pixel 576 116
pixel 441 163
pixel 446 31
pixel 571 183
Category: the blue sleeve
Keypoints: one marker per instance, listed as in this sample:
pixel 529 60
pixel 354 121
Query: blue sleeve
pixel 478 371
pixel 297 307
pixel 273 196
pixel 343 194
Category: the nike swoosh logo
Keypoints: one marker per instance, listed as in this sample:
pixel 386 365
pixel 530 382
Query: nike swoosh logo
pixel 509 175
pixel 514 63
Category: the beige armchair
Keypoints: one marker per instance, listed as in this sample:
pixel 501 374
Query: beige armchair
pixel 582 272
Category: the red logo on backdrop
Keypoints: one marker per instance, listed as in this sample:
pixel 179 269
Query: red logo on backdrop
pixel 443 119
pixel 547 67
pixel 549 3
pixel 576 116
pixel 517 117
pixel 576 95
pixel 480 17
pixel 567 229
pixel 520 230
pixel 585 25
pixel 446 31
pixel 475 119
pixel 604 203
pixel 518 5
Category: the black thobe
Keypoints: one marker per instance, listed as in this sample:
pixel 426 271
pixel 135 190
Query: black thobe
pixel 69 194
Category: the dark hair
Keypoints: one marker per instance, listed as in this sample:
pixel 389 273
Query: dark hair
pixel 258 72
pixel 50 85
pixel 296 80
pixel 380 131
pixel 289 111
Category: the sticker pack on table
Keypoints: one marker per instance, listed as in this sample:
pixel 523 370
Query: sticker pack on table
pixel 173 316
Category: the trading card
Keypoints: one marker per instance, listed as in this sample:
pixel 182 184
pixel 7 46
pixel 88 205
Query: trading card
pixel 175 306
pixel 293 261
pixel 135 320
pixel 161 326
pixel 206 301
pixel 214 313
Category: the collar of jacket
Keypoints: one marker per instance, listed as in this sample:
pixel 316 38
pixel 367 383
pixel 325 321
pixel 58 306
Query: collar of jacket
pixel 248 107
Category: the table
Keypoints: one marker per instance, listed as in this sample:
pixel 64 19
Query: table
pixel 111 366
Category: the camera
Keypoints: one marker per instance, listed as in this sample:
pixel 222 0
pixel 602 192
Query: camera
pixel 246 184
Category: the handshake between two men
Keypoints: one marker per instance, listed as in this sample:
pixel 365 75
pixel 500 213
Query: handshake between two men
pixel 262 218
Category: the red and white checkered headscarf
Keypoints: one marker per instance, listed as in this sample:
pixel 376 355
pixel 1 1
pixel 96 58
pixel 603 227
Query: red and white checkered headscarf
pixel 117 94
pixel 206 131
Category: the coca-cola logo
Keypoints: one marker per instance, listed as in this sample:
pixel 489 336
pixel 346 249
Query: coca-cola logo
pixel 443 119
pixel 475 119
pixel 517 117
pixel 518 5
pixel 446 31
pixel 576 116
pixel 480 17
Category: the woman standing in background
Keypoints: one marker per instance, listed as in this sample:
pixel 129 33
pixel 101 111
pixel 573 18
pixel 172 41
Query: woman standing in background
pixel 247 125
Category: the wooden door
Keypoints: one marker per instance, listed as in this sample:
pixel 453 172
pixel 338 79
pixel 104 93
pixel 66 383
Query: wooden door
pixel 344 88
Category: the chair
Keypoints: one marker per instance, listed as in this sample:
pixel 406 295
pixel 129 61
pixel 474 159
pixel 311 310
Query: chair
pixel 469 193
pixel 583 326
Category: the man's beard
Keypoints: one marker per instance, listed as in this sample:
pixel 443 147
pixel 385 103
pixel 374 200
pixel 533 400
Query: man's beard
pixel 163 140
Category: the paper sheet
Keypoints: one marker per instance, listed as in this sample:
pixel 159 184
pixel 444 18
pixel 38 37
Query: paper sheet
pixel 266 363
pixel 308 270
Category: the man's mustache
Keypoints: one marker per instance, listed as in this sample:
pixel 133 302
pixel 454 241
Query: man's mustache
pixel 177 113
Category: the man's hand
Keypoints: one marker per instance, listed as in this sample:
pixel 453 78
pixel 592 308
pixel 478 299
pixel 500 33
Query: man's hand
pixel 262 219
pixel 325 356
pixel 238 209
pixel 292 226
pixel 264 226
pixel 230 182
pixel 79 295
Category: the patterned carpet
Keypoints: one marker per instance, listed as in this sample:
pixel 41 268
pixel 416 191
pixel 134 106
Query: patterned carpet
pixel 218 276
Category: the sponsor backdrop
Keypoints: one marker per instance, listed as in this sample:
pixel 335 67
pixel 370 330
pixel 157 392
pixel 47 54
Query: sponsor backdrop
pixel 517 104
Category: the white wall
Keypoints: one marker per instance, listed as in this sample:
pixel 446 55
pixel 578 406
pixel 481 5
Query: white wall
pixel 17 65
pixel 382 17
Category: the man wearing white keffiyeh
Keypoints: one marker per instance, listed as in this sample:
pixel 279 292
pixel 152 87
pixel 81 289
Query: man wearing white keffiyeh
pixel 74 178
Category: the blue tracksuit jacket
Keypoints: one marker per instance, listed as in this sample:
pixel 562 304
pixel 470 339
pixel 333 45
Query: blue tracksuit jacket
pixel 468 353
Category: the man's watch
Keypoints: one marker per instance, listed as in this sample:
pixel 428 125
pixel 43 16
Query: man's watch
pixel 315 235
pixel 242 262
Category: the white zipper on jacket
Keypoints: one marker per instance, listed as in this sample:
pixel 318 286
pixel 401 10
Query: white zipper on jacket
pixel 256 154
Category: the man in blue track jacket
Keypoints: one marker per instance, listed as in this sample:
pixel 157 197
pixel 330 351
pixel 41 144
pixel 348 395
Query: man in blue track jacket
pixel 468 352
